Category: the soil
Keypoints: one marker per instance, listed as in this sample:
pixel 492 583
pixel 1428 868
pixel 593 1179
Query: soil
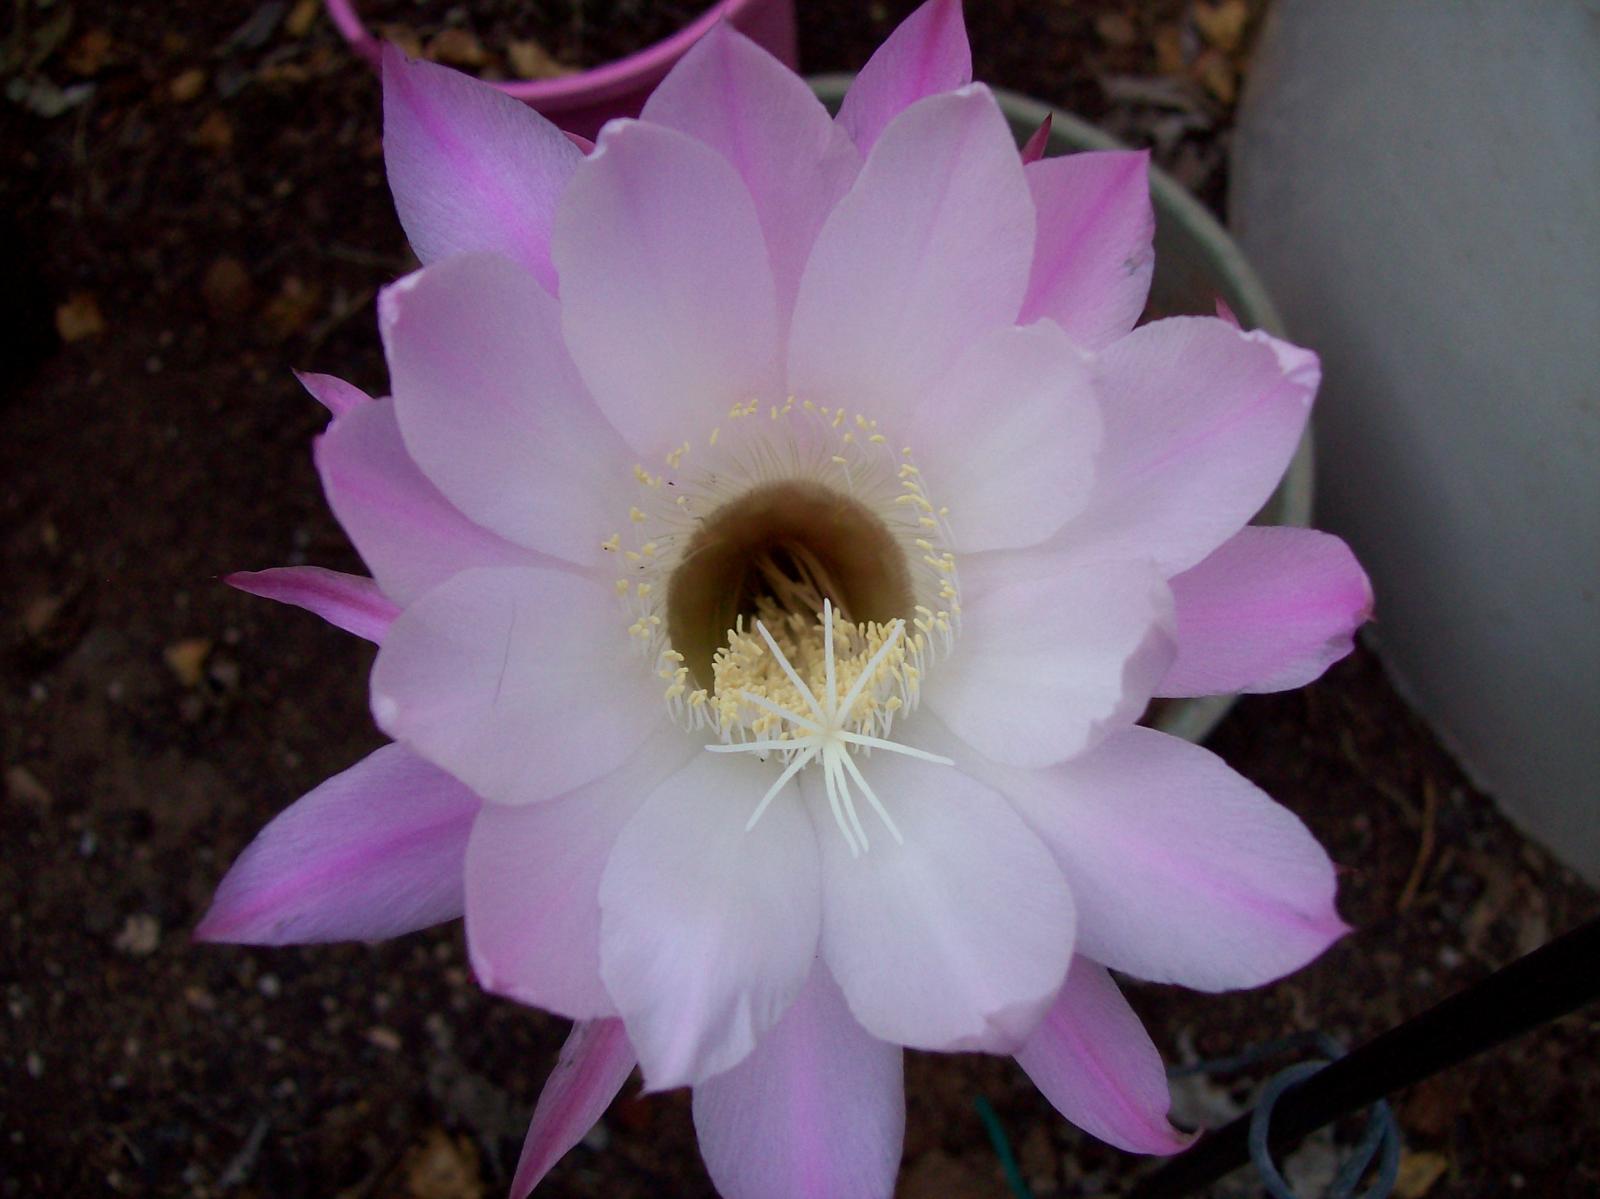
pixel 516 39
pixel 193 203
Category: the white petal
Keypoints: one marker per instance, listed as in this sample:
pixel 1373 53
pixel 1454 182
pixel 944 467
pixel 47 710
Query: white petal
pixel 929 249
pixel 533 883
pixel 1201 421
pixel 957 938
pixel 667 299
pixel 1052 654
pixel 1007 438
pixel 707 932
pixel 817 1111
pixel 1183 871
pixel 492 408
pixel 524 684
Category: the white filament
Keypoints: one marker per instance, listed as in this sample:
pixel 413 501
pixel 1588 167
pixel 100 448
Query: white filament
pixel 822 734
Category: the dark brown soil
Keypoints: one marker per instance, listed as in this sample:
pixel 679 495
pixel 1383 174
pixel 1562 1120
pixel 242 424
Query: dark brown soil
pixel 193 202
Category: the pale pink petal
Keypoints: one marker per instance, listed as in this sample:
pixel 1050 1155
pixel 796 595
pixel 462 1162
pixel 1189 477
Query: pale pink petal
pixel 471 169
pixel 817 1111
pixel 928 53
pixel 492 408
pixel 1183 871
pixel 1201 421
pixel 533 883
pixel 1053 654
pixel 1095 1063
pixel 667 298
pixel 1093 255
pixel 1271 609
pixel 406 532
pixel 742 102
pixel 524 684
pixel 593 1066
pixel 928 250
pixel 1007 438
pixel 347 602
pixel 333 393
pixel 959 936
pixel 1038 141
pixel 707 932
pixel 373 852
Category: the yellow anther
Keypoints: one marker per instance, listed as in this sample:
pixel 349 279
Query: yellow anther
pixel 612 543
pixel 622 586
pixel 636 515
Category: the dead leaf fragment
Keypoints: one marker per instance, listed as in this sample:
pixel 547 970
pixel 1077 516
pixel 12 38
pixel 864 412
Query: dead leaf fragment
pixel 530 60
pixel 227 288
pixel 188 86
pixel 89 53
pixel 443 1167
pixel 215 133
pixel 22 787
pixel 187 659
pixel 1115 29
pixel 384 1038
pixel 79 317
pixel 302 17
pixel 405 39
pixel 1222 24
pixel 140 935
pixel 1418 1173
pixel 457 48
pixel 1218 76
pixel 291 310
pixel 1170 58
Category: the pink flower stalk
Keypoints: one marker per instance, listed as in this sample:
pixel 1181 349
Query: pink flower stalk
pixel 777 530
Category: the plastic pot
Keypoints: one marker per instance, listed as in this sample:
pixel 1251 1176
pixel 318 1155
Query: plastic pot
pixel 584 101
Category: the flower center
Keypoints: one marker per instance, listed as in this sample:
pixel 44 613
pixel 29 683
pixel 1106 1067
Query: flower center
pixel 789 579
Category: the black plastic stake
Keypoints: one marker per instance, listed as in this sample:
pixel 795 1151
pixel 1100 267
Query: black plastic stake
pixel 1550 982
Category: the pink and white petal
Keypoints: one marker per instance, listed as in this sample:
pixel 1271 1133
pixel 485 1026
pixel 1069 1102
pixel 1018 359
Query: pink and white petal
pixel 373 852
pixel 926 252
pixel 708 932
pixel 733 96
pixel 533 883
pixel 348 602
pixel 518 682
pixel 1008 438
pixel 408 534
pixel 927 54
pixel 936 946
pixel 593 1066
pixel 817 1111
pixel 667 297
pixel 1201 421
pixel 492 408
pixel 1053 655
pixel 1271 609
pixel 1094 252
pixel 472 170
pixel 1183 871
pixel 332 392
pixel 1093 1060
